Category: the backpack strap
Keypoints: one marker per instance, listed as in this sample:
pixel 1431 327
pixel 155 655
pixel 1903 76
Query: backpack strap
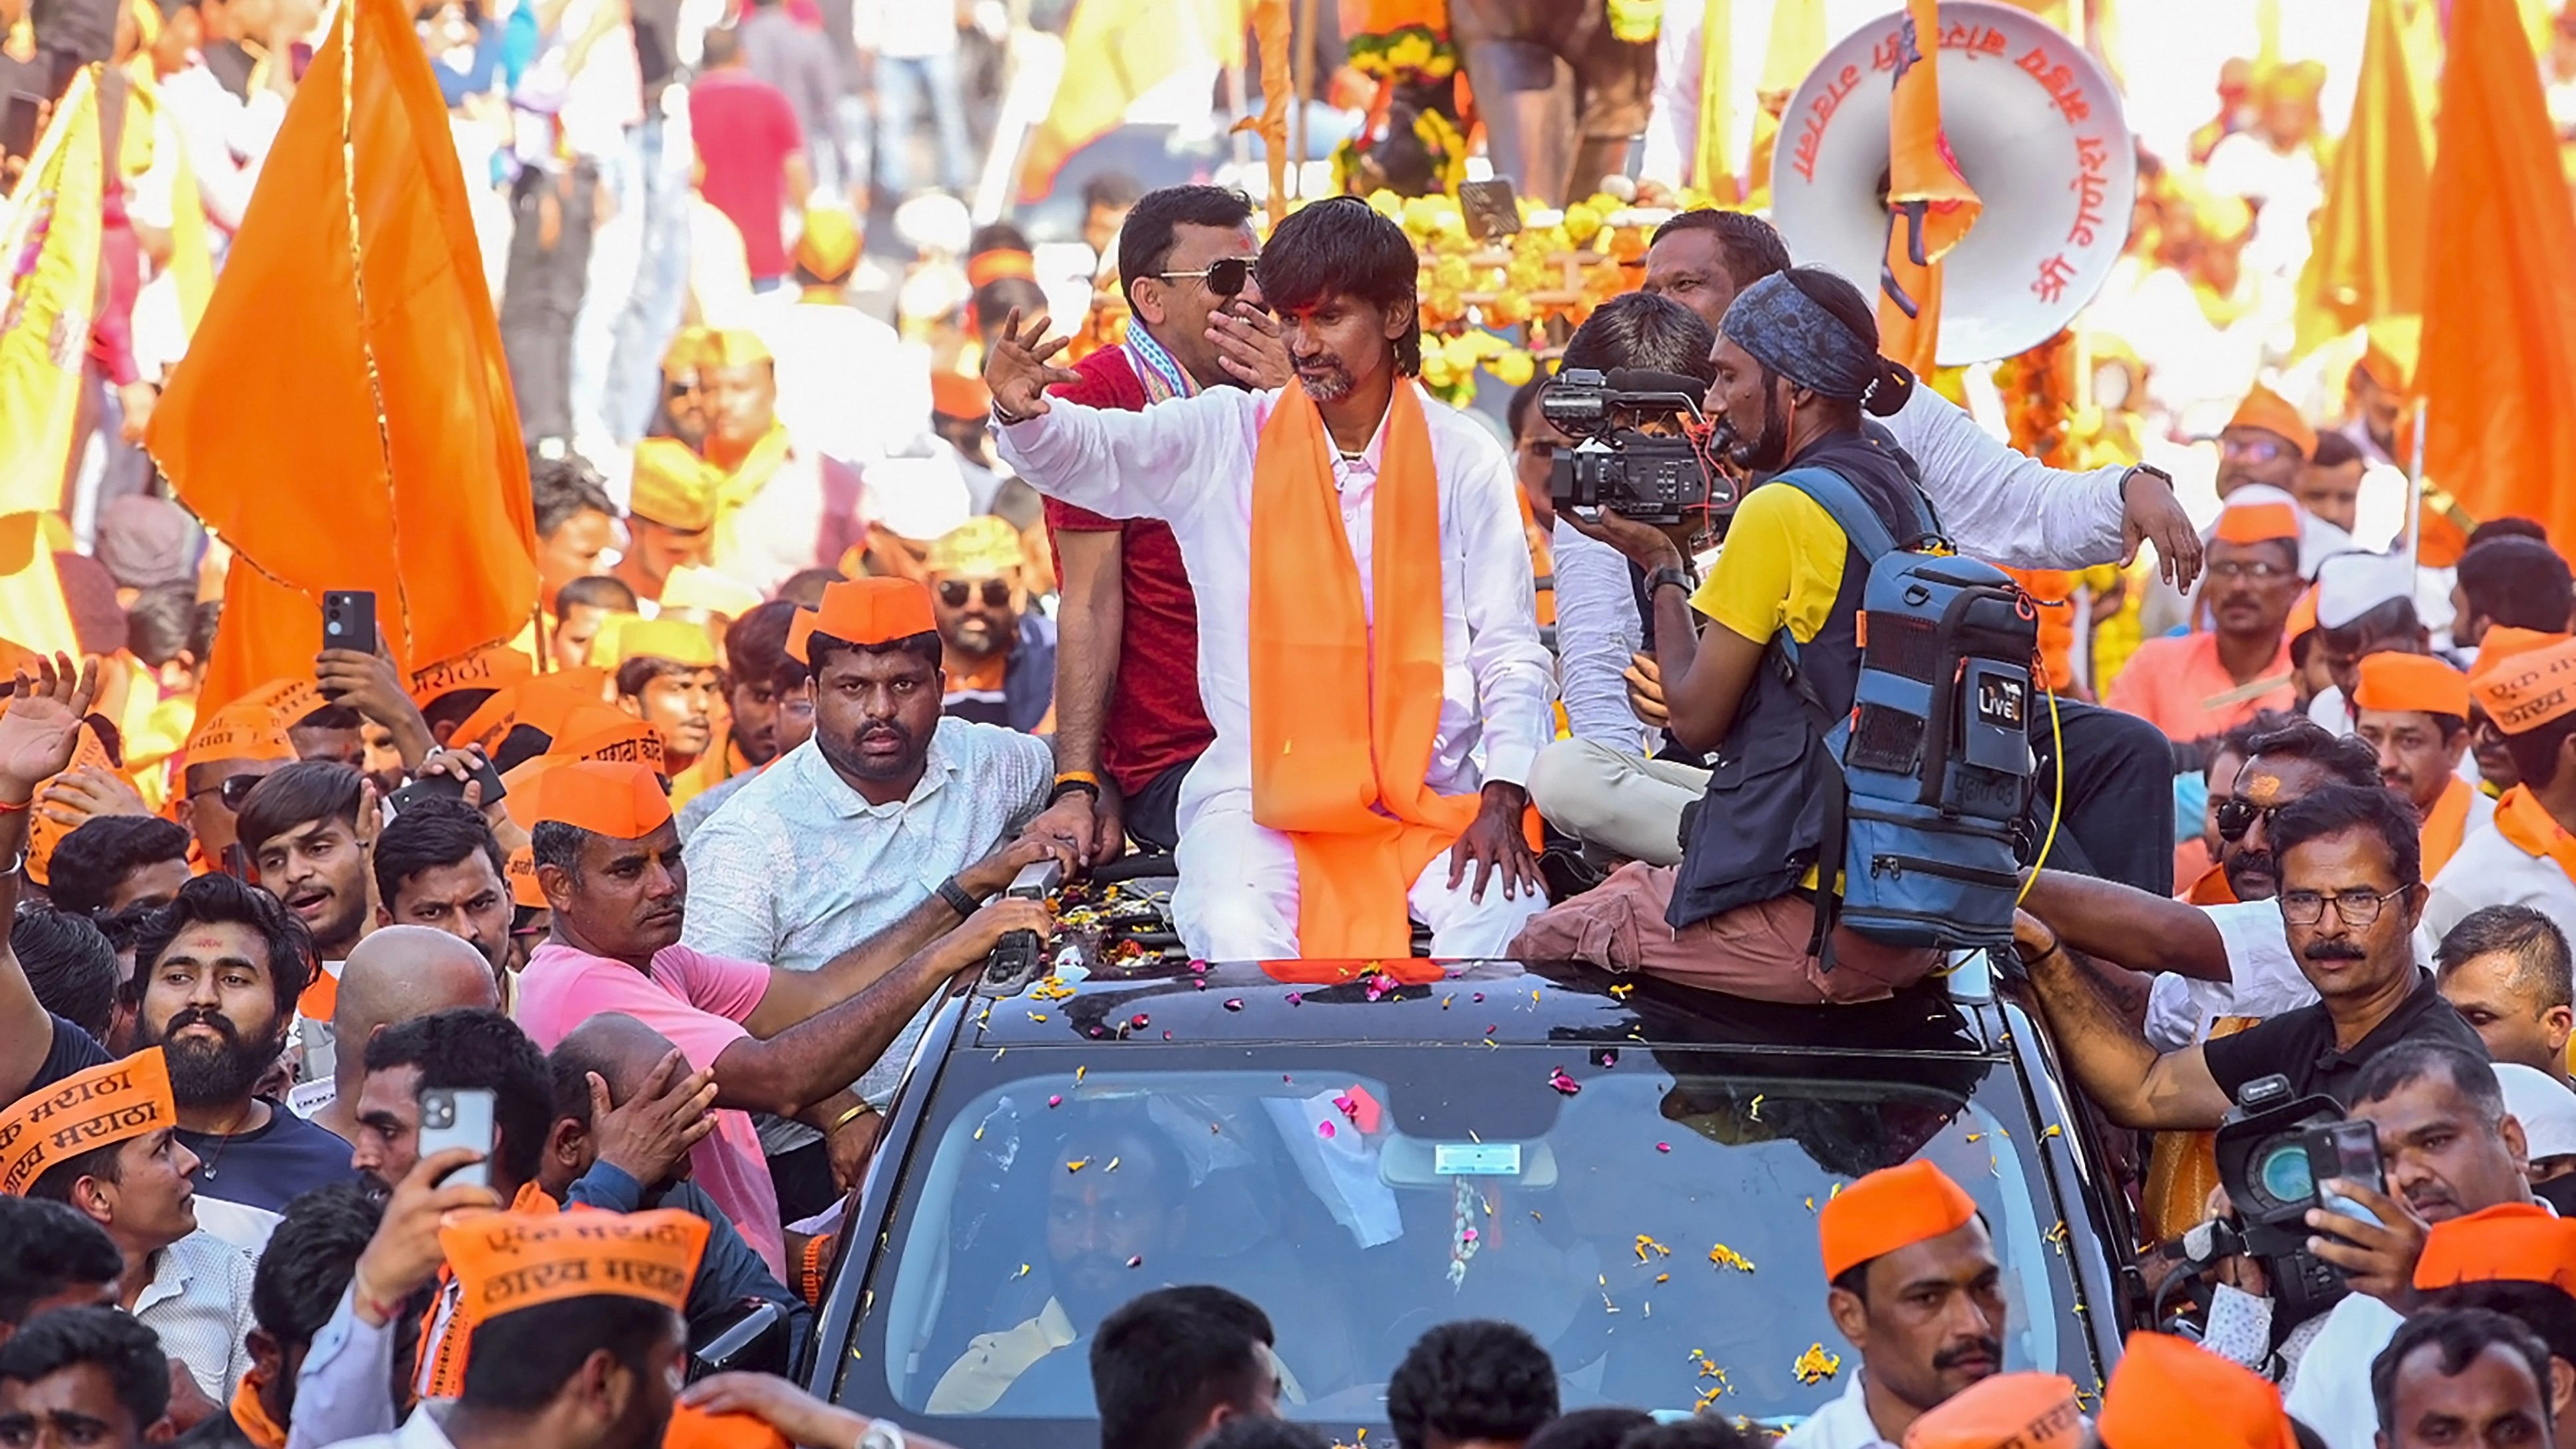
pixel 1845 504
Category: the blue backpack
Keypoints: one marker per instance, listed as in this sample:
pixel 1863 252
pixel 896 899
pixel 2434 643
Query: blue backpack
pixel 1929 775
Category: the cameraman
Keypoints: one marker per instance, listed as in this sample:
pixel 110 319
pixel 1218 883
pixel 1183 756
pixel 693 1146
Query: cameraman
pixel 2448 1148
pixel 1796 360
pixel 1603 786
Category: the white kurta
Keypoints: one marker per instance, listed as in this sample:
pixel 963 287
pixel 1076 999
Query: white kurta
pixel 1843 1423
pixel 2490 870
pixel 1189 462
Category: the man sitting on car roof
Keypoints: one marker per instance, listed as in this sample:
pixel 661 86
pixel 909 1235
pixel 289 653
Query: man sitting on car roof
pixel 1917 1291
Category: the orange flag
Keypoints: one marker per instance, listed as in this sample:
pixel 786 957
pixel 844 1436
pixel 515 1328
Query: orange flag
pixel 2369 257
pixel 343 418
pixel 1929 204
pixel 2498 361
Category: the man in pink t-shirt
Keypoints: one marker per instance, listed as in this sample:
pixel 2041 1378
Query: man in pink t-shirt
pixel 790 1042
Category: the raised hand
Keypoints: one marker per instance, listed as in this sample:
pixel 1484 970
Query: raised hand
pixel 40 723
pixel 1016 369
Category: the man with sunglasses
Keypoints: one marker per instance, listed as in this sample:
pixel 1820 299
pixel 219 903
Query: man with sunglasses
pixel 1000 652
pixel 2352 892
pixel 1129 722
pixel 243 744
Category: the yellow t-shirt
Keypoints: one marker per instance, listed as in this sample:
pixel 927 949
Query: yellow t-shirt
pixel 1782 566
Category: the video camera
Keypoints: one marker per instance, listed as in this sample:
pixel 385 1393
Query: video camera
pixel 2273 1151
pixel 1638 475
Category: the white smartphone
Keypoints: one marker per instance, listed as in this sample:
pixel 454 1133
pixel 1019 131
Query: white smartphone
pixel 458 1117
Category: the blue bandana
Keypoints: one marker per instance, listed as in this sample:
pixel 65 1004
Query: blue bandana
pixel 1792 334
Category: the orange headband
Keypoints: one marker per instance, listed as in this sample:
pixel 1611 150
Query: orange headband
pixel 505 1262
pixel 1892 1208
pixel 2007 1411
pixel 490 667
pixel 243 731
pixel 2503 641
pixel 596 732
pixel 91 1109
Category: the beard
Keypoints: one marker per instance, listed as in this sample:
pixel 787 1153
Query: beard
pixel 1767 452
pixel 849 759
pixel 212 1074
pixel 1324 377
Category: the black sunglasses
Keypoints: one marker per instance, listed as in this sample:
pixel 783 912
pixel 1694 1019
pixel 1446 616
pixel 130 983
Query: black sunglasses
pixel 233 790
pixel 2236 815
pixel 1225 276
pixel 955 592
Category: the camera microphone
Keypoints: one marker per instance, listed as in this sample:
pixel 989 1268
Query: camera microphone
pixel 1647 380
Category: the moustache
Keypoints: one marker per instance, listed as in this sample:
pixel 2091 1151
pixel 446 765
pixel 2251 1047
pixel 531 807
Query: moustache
pixel 203 1016
pixel 1989 1349
pixel 2335 950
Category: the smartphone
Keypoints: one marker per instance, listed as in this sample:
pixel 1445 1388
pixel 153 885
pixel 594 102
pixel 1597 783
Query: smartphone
pixel 349 620
pixel 1489 208
pixel 458 1117
pixel 448 787
pixel 2348 1150
pixel 18 124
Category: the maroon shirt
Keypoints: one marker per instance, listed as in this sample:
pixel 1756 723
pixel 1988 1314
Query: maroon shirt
pixel 1155 718
pixel 745 130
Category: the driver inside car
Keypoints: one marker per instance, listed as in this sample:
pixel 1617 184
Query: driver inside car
pixel 1113 1210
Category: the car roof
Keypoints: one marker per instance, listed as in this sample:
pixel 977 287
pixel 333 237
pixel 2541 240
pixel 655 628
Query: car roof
pixel 1157 999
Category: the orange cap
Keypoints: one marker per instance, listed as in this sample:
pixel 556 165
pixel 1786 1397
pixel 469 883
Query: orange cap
pixel 2006 1411
pixel 2257 523
pixel 520 869
pixel 2411 682
pixel 1892 1208
pixel 2264 408
pixel 698 1429
pixel 876 610
pixel 2303 616
pixel 2503 641
pixel 241 731
pixel 992 266
pixel 2525 691
pixel 507 1261
pixel 2515 1242
pixel 540 703
pixel 2169 1394
pixel 959 394
pixel 829 245
pixel 293 699
pixel 734 347
pixel 103 1105
pixel 596 732
pixel 690 350
pixel 622 800
pixel 490 667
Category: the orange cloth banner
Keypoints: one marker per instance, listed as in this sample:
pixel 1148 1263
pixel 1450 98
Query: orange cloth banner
pixel 1930 206
pixel 381 450
pixel 2499 350
pixel 2369 257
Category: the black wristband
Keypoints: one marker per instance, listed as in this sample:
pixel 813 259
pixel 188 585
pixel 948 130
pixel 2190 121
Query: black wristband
pixel 1678 577
pixel 1067 787
pixel 958 898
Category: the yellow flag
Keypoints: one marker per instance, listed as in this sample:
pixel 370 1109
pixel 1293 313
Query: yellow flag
pixel 1797 43
pixel 1711 171
pixel 2370 234
pixel 1115 51
pixel 45 319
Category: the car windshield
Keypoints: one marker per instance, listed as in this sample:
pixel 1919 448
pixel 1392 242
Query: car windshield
pixel 1648 1215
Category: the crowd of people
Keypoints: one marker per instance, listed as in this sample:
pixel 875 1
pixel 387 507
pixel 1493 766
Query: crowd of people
pixel 842 624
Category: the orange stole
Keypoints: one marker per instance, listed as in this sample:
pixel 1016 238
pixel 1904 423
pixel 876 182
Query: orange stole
pixel 2444 825
pixel 1341 733
pixel 439 1366
pixel 2532 830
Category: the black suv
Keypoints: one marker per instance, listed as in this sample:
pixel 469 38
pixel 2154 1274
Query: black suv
pixel 1627 1168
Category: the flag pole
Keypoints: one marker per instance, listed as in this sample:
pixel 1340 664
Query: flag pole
pixel 2415 492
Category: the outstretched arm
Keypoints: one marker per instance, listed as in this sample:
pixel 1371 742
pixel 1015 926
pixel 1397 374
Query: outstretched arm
pixel 38 735
pixel 1158 463
pixel 2128 926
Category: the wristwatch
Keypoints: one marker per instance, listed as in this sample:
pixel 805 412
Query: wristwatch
pixel 881 1434
pixel 2151 470
pixel 1679 578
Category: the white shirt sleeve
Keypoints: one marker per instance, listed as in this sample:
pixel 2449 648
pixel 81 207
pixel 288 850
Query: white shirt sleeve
pixel 1515 682
pixel 1672 126
pixel 733 860
pixel 2006 507
pixel 1158 463
pixel 1597 629
pixel 2266 979
pixel 2331 1393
